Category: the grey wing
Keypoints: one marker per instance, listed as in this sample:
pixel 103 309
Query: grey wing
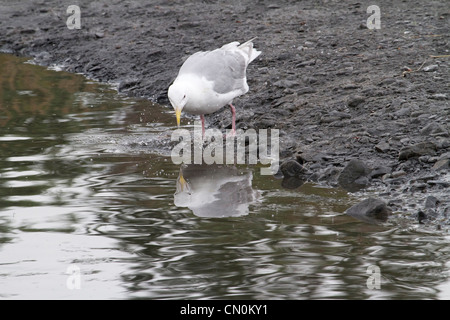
pixel 226 69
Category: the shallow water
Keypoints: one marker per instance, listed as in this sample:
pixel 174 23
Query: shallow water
pixel 91 206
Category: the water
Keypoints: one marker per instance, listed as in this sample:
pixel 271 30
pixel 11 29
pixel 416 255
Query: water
pixel 91 207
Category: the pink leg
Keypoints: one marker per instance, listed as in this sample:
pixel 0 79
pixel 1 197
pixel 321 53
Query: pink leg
pixel 203 125
pixel 233 120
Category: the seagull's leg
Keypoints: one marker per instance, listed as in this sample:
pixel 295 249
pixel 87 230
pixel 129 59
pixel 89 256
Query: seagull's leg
pixel 233 120
pixel 203 125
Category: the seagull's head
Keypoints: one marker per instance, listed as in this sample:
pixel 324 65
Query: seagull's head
pixel 178 98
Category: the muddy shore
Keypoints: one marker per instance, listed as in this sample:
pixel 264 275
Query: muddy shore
pixel 336 90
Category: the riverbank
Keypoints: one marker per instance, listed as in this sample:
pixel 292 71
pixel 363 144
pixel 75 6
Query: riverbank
pixel 336 90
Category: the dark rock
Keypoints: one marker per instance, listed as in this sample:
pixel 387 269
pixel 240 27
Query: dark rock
pixel 416 150
pixel 441 183
pixel 418 187
pixel 349 178
pixel 421 216
pixel 292 168
pixel 355 101
pixel 303 157
pixel 127 84
pixel 370 210
pixel 294 174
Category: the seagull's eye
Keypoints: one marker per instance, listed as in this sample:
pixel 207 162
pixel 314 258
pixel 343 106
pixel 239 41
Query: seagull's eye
pixel 184 97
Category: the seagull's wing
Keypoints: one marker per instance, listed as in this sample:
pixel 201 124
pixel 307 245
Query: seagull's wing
pixel 226 69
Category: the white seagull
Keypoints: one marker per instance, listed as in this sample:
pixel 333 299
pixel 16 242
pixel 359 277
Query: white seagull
pixel 209 80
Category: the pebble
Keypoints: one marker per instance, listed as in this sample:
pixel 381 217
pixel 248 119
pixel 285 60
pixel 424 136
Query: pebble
pixel 431 202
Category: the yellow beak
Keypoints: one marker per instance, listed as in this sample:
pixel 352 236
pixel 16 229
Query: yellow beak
pixel 182 182
pixel 178 114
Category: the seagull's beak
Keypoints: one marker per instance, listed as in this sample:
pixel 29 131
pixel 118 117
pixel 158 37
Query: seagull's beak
pixel 178 114
pixel 182 182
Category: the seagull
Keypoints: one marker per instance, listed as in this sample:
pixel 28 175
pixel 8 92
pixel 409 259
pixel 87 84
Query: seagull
pixel 209 80
pixel 215 190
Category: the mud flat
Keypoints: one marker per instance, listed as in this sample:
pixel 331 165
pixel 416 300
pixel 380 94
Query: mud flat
pixel 357 108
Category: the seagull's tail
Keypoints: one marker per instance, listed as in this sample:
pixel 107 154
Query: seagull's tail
pixel 247 48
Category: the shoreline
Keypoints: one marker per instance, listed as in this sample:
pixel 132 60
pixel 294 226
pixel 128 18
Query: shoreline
pixel 336 90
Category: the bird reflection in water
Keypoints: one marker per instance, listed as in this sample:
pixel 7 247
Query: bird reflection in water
pixel 215 190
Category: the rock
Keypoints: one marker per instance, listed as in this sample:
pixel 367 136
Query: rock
pixel 307 63
pixel 383 147
pixel 306 90
pixel 444 156
pixel 380 171
pixel 441 183
pixel 418 187
pixel 340 115
pixel 349 178
pixel 292 168
pixel 292 182
pixel 416 150
pixel 330 174
pixel 355 101
pixel 370 210
pixel 431 202
pixel 431 67
pixel 127 84
pixel 442 164
pixel 421 216
pixel 294 174
pixel 433 128
pixel 286 83
pixel 406 111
